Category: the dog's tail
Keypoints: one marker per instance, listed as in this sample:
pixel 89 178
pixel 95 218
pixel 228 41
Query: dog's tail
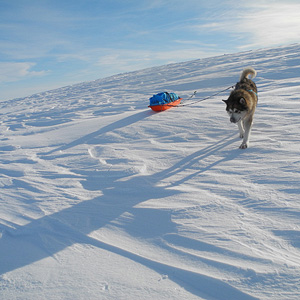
pixel 246 72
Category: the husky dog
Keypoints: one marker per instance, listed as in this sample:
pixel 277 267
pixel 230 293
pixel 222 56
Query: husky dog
pixel 241 105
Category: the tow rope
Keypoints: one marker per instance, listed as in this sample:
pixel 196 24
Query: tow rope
pixel 203 99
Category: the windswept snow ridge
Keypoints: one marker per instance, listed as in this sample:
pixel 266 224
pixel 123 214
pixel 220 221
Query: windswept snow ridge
pixel 101 198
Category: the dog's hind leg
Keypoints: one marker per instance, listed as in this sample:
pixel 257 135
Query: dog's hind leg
pixel 241 128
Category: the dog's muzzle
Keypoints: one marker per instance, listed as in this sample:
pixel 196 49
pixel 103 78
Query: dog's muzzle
pixel 233 120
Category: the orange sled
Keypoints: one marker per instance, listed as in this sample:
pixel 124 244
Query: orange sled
pixel 162 107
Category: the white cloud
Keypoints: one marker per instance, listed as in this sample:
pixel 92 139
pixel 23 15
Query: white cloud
pixel 14 71
pixel 257 23
pixel 130 60
pixel 272 24
pixel 196 43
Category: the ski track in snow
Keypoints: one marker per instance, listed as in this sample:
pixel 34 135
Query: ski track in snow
pixel 101 198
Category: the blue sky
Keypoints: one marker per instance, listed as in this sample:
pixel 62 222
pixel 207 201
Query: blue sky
pixel 45 44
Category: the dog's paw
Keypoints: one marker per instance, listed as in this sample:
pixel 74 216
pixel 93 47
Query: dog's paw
pixel 243 146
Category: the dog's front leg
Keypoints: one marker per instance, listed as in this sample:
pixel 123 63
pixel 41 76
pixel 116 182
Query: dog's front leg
pixel 247 126
pixel 241 128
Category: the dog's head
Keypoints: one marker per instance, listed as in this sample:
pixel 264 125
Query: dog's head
pixel 236 107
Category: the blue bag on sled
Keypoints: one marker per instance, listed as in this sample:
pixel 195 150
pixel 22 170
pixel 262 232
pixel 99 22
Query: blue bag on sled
pixel 163 98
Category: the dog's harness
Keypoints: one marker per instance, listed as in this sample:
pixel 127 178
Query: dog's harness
pixel 252 92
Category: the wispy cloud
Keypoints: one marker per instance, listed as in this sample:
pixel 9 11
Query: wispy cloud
pixel 204 46
pixel 273 23
pixel 101 62
pixel 130 60
pixel 254 24
pixel 10 72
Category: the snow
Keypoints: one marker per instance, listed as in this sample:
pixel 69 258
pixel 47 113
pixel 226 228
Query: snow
pixel 101 198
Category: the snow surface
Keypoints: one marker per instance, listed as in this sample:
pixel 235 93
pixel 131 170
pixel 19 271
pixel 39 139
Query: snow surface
pixel 101 198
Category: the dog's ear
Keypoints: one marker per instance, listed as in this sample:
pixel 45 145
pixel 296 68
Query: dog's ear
pixel 242 101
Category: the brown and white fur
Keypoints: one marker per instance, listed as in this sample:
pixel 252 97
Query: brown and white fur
pixel 241 105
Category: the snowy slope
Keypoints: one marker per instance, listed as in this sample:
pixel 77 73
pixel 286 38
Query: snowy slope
pixel 102 198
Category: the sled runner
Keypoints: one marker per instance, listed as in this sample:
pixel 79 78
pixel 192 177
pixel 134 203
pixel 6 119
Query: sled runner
pixel 164 101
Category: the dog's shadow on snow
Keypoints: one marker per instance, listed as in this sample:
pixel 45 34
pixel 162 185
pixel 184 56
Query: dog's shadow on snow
pixel 45 237
pixel 194 160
